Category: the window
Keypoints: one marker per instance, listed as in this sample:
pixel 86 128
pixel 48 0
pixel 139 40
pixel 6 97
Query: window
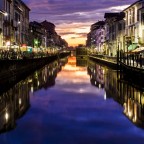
pixel 113 28
pixel 17 17
pixel 138 15
pixel 119 26
pixel 142 18
pixel 130 17
pixel 133 15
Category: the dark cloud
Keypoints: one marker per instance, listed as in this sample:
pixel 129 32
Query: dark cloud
pixel 73 37
pixel 82 34
pixel 67 33
pixel 75 10
pixel 78 35
pixel 69 16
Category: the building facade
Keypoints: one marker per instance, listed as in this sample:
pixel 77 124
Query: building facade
pixel 122 31
pixel 20 23
pixel 99 32
pixel 134 31
pixel 37 35
pixel 95 38
pixel 14 23
pixel 114 32
pixel 5 22
pixel 50 32
pixel 52 38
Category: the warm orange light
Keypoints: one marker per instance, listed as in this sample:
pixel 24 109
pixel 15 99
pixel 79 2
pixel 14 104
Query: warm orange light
pixel 8 43
pixel 72 68
pixel 74 33
pixel 5 14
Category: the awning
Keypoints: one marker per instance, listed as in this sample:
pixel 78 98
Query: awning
pixel 132 46
pixel 138 50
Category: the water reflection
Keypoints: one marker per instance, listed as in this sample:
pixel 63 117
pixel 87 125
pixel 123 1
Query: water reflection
pixel 130 96
pixel 81 61
pixel 15 102
pixel 96 73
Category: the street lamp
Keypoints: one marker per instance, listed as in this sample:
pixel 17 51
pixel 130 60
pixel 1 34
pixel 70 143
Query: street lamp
pixel 18 23
pixel 36 42
pixel 7 23
pixel 5 14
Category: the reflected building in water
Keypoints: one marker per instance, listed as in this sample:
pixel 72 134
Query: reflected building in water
pixel 45 77
pixel 128 95
pixel 16 101
pixel 13 104
pixel 81 62
pixel 81 57
pixel 133 102
pixel 96 73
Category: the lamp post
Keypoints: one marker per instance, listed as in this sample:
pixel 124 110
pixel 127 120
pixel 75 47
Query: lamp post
pixel 9 29
pixel 19 33
pixel 7 24
pixel 36 44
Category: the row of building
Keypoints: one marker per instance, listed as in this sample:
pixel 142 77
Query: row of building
pixel 16 29
pixel 119 31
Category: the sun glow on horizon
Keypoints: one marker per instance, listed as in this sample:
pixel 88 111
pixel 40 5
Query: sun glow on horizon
pixel 74 33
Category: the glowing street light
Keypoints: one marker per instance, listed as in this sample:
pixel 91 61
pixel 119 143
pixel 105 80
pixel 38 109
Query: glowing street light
pixel 5 14
pixel 36 42
pixel 6 116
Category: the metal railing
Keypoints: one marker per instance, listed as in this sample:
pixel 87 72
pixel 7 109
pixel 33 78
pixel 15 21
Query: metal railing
pixel 134 59
pixel 106 57
pixel 10 55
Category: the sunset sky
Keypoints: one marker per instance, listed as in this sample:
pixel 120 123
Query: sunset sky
pixel 73 18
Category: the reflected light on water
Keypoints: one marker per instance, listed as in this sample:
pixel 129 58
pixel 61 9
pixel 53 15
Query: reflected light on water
pixel 105 97
pixel 76 102
pixel 76 81
pixel 71 68
pixel 130 114
pixel 38 83
pixel 32 89
pixel 30 80
pixel 80 73
pixel 20 101
pixel 6 116
pixel 81 90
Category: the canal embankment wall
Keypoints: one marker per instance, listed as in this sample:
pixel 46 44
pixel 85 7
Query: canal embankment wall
pixel 10 68
pixel 104 62
pixel 131 73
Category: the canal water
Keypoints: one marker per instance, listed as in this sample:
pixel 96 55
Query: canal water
pixel 72 101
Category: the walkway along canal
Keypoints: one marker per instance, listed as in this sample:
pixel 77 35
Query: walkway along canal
pixel 66 102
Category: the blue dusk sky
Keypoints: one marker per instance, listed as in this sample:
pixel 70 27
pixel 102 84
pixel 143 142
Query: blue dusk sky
pixel 73 17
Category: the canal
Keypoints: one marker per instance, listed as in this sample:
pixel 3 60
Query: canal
pixel 72 101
